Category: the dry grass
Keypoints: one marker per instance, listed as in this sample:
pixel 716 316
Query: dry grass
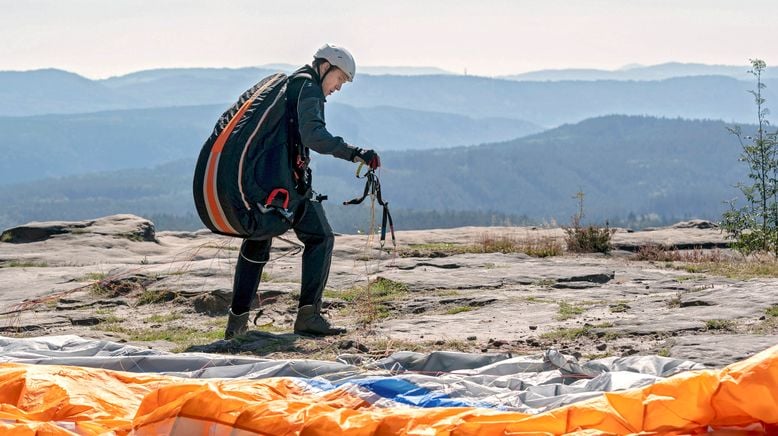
pixel 155 296
pixel 567 311
pixel 535 246
pixel 575 333
pixel 92 277
pixel 535 299
pixel 661 253
pixel 24 264
pixel 714 262
pixel 674 302
pixel 741 270
pixel 769 325
pixel 619 307
pixel 182 336
pixel 371 302
pixel 162 318
pixel 374 347
pixel 720 324
pixel 458 309
pixel 435 249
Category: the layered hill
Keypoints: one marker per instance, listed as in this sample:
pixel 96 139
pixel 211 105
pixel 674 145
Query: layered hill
pixel 629 168
pixel 36 147
pixel 545 103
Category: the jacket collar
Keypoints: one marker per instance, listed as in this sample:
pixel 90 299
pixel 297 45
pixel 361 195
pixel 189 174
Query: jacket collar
pixel 307 69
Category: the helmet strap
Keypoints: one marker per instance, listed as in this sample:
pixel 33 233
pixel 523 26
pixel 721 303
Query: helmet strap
pixel 329 68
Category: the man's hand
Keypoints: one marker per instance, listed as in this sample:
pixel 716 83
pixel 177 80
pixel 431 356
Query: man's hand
pixel 368 157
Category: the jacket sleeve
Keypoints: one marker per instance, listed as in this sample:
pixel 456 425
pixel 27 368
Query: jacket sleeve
pixel 313 131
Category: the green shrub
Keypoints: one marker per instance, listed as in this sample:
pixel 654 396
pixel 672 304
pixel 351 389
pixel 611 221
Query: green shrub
pixel 589 239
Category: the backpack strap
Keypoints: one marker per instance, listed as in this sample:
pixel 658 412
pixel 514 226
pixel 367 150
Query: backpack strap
pixel 300 160
pixel 301 75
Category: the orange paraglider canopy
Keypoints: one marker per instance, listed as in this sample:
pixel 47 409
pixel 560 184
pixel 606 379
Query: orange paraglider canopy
pixel 65 400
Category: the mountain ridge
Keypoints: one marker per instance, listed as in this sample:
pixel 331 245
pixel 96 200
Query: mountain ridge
pixel 639 72
pixel 546 104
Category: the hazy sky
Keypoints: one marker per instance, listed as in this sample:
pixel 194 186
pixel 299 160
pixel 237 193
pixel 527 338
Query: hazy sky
pixel 100 38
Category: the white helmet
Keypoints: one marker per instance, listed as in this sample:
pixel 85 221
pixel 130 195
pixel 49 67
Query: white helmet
pixel 338 57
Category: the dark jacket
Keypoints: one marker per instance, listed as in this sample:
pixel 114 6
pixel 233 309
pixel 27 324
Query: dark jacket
pixel 308 130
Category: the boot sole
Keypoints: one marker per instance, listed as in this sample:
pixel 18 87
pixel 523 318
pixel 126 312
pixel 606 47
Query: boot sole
pixel 316 335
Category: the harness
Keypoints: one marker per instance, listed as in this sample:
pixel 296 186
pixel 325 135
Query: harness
pixel 373 189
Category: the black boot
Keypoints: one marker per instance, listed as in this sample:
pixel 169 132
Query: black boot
pixel 236 325
pixel 310 322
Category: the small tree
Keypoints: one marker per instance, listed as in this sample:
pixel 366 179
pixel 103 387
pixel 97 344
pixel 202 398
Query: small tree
pixel 754 227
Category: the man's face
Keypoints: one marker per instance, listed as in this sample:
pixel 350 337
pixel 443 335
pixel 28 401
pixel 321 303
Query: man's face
pixel 333 81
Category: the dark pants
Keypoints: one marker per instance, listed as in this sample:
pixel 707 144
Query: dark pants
pixel 314 231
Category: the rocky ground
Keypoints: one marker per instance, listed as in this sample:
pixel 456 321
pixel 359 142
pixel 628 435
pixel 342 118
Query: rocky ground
pixel 116 278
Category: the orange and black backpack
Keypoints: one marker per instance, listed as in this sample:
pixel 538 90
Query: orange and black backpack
pixel 244 182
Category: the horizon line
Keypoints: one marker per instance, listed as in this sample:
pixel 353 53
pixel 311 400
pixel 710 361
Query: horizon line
pixel 273 65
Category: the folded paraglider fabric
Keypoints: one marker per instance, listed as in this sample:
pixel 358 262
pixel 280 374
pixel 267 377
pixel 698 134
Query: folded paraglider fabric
pixel 407 393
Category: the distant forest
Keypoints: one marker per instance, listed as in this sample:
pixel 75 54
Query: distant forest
pixel 634 171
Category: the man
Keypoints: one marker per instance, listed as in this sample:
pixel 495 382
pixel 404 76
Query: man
pixel 307 90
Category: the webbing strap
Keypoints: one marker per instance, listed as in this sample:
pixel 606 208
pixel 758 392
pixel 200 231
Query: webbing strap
pixel 373 188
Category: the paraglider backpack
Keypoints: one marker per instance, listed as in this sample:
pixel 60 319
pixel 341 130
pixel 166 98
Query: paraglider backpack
pixel 244 181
